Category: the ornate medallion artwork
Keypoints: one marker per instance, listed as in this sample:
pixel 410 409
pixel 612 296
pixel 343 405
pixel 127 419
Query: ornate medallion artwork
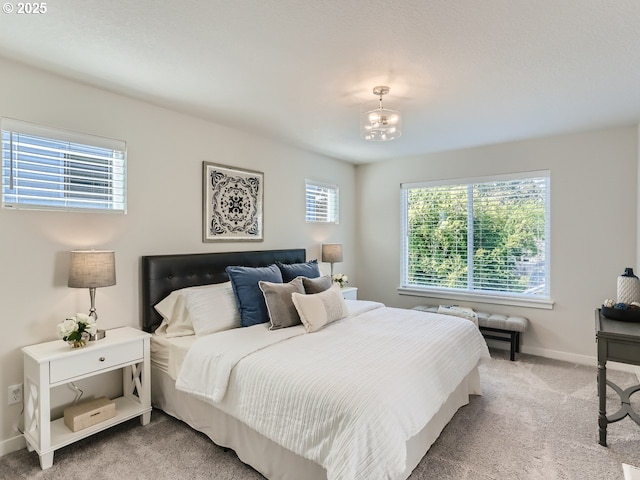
pixel 232 207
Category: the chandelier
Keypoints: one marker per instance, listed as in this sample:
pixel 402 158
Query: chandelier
pixel 381 124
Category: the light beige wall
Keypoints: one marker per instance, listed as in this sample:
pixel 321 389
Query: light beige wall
pixel 165 154
pixel 637 368
pixel 593 226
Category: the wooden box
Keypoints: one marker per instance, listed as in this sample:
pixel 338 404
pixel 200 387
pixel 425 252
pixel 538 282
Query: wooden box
pixel 86 414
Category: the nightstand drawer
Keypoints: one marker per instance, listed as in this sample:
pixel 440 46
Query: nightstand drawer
pixel 94 360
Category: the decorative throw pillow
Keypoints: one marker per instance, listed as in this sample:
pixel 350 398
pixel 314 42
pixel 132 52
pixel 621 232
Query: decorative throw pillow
pixel 320 309
pixel 213 309
pixel 282 311
pixel 316 285
pixel 244 280
pixel 290 271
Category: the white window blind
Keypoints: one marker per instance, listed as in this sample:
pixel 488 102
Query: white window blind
pixel 321 202
pixel 485 236
pixel 46 168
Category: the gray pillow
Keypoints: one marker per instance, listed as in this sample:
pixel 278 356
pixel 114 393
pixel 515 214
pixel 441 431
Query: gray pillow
pixel 316 285
pixel 277 296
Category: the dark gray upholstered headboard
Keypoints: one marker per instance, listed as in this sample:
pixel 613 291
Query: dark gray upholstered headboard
pixel 162 274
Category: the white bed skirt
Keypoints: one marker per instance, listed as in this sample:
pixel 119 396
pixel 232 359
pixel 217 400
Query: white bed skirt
pixel 267 457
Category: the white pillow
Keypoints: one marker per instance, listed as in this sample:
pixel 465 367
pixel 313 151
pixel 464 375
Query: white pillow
pixel 212 309
pixel 319 309
pixel 178 318
pixel 175 317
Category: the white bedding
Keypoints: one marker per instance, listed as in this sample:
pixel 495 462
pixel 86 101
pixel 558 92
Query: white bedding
pixel 213 357
pixel 347 397
pixel 167 353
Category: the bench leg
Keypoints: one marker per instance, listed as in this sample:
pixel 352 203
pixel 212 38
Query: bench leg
pixel 505 336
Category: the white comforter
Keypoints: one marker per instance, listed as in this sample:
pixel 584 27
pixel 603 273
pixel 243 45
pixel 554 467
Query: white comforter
pixel 348 396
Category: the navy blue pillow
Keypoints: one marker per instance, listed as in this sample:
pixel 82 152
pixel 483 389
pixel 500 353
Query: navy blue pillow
pixel 249 297
pixel 292 270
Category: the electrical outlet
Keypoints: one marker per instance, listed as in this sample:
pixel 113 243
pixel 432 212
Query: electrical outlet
pixel 15 394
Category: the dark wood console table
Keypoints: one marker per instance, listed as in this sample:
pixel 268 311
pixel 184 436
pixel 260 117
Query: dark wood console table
pixel 619 342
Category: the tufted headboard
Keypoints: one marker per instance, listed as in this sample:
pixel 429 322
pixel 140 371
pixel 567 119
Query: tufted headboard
pixel 162 274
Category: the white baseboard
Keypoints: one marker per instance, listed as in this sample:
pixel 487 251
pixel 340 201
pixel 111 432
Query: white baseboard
pixel 12 445
pixel 570 357
pixel 557 355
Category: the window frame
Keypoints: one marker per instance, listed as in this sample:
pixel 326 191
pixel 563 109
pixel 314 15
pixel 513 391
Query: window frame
pixel 333 197
pixel 58 166
pixel 470 294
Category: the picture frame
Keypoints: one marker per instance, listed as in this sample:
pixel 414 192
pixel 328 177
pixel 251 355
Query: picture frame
pixel 232 204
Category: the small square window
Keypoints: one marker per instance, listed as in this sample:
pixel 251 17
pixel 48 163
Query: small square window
pixel 322 205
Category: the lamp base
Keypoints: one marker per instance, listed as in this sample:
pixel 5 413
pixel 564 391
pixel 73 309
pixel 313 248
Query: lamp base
pixel 99 335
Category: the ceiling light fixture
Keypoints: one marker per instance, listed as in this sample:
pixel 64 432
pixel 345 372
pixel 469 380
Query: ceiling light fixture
pixel 381 124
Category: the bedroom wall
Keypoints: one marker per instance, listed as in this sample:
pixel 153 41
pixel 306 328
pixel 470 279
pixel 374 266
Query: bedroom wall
pixel 593 227
pixel 638 207
pixel 165 154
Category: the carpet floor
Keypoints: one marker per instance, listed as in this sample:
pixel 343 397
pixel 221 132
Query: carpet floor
pixel 537 419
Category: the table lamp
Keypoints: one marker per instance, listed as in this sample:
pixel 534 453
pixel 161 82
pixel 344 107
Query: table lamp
pixel 92 269
pixel 332 253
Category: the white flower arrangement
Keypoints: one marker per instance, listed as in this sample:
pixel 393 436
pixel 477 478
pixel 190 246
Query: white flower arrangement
pixel 76 330
pixel 341 279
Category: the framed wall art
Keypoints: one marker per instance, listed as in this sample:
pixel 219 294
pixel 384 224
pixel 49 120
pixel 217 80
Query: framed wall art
pixel 232 203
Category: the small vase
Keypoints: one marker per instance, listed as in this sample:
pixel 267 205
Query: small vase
pixel 628 287
pixel 84 338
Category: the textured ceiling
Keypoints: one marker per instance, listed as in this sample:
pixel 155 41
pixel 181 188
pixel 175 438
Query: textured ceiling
pixel 463 73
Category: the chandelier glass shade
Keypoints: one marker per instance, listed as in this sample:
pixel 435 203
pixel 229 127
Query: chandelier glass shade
pixel 381 124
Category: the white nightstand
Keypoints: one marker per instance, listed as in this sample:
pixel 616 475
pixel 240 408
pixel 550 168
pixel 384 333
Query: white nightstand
pixel 50 364
pixel 350 293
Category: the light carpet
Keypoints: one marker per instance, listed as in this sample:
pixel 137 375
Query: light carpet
pixel 537 419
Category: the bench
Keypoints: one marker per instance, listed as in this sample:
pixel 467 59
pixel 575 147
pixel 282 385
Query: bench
pixel 506 328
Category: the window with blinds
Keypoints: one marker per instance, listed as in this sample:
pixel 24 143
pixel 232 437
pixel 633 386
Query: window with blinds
pixel 321 202
pixel 46 168
pixel 483 236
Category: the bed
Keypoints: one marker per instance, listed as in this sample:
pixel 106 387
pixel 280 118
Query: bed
pixel 242 416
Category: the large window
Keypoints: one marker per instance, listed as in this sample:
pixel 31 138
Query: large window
pixel 482 237
pixel 45 168
pixel 321 202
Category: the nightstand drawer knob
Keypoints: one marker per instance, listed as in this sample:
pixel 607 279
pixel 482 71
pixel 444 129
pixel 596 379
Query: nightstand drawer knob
pixel 102 359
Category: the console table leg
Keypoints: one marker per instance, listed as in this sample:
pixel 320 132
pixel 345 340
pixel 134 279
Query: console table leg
pixel 602 399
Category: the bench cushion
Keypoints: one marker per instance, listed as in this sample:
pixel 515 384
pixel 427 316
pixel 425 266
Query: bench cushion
pixel 490 320
pixel 503 322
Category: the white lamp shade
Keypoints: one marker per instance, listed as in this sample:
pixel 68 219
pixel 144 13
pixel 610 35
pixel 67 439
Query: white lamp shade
pixel 332 252
pixel 92 268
